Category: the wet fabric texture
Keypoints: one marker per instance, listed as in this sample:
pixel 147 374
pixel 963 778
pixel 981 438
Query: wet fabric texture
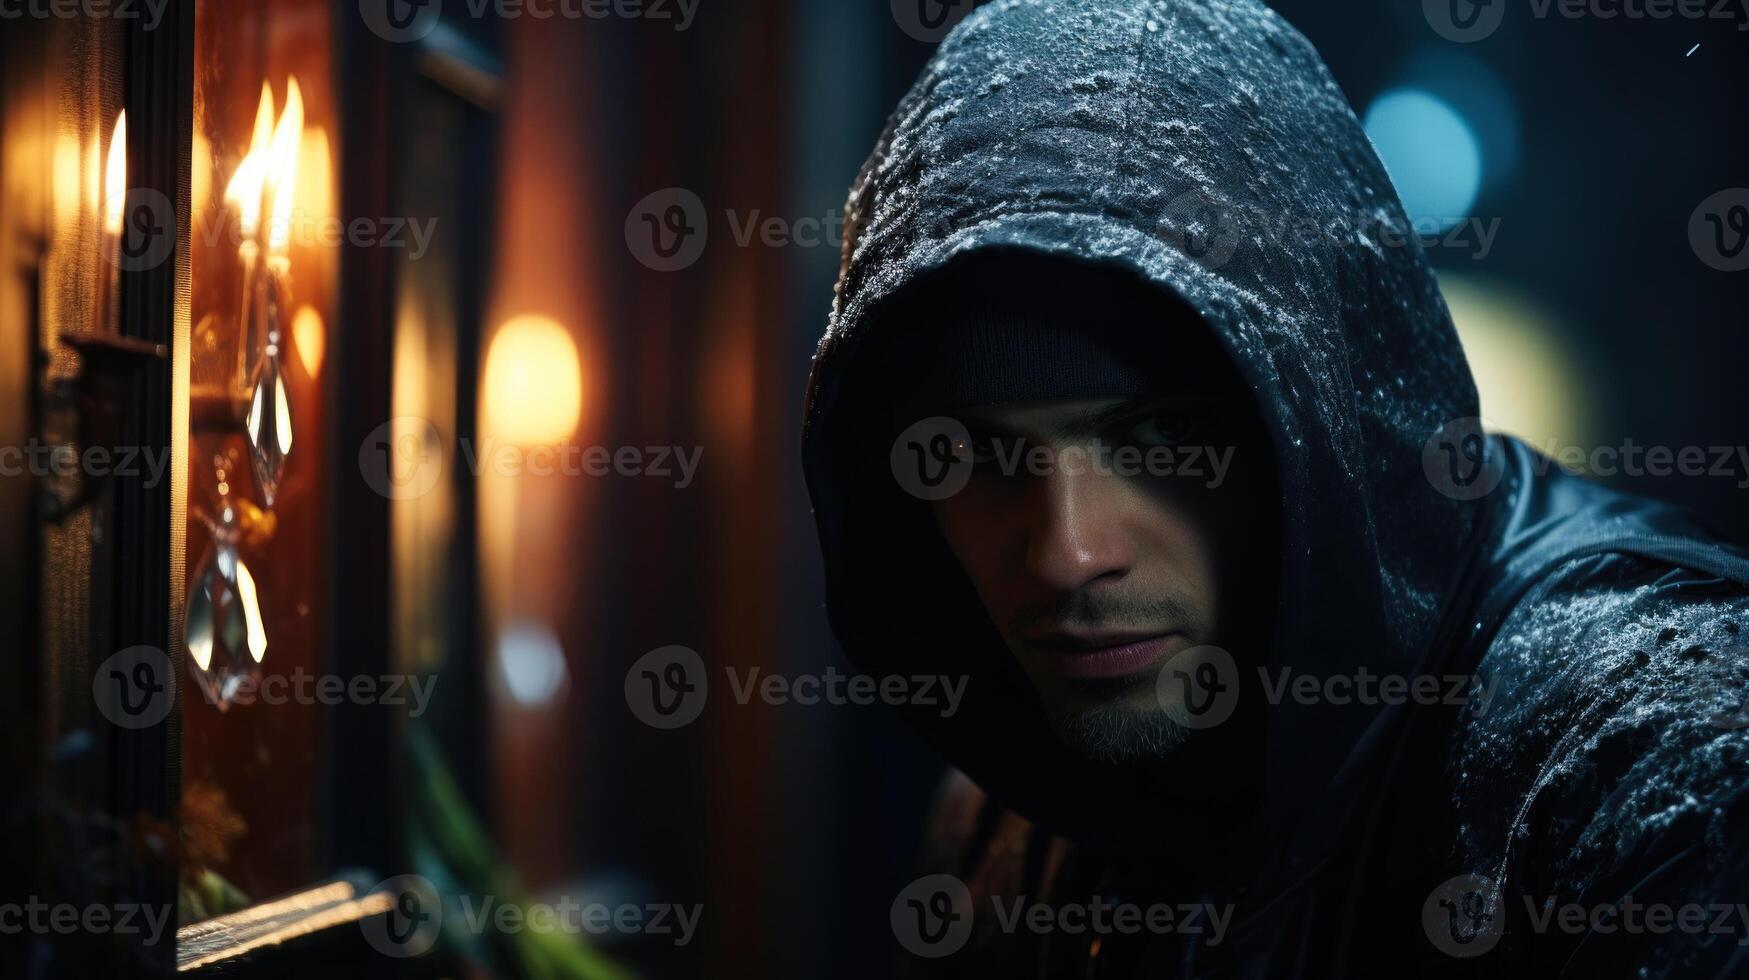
pixel 1202 146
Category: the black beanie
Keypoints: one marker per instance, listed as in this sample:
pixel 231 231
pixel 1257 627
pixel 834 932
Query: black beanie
pixel 1015 327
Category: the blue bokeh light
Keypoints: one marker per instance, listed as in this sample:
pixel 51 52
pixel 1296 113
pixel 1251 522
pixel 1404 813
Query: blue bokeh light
pixel 1431 152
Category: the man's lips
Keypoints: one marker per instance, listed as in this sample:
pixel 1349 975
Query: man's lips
pixel 1108 656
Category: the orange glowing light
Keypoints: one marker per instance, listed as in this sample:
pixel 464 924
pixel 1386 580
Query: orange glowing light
pixel 533 387
pixel 310 334
pixel 115 177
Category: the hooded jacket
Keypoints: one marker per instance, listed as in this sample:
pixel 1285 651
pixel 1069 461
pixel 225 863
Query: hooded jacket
pixel 1202 146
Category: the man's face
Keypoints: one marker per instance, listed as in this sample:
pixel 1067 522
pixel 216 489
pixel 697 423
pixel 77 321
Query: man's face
pixel 1101 533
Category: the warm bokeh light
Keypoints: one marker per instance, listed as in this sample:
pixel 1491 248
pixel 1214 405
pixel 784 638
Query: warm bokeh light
pixel 1530 386
pixel 200 175
pixel 115 177
pixel 69 181
pixel 315 193
pixel 310 336
pixel 250 601
pixel 533 386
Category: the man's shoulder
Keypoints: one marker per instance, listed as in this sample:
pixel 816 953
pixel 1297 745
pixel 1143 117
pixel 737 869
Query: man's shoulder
pixel 1614 738
pixel 1610 640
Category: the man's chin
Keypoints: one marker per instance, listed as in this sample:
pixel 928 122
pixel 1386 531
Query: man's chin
pixel 1118 735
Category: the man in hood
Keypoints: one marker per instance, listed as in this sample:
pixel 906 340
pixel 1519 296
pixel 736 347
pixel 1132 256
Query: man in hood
pixel 1138 411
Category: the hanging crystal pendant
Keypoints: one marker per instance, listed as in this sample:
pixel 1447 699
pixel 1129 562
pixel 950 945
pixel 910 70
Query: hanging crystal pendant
pixel 225 634
pixel 269 424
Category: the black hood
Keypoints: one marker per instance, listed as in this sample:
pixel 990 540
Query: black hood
pixel 1202 146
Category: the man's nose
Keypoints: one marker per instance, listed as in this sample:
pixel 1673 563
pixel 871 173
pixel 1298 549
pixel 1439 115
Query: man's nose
pixel 1077 531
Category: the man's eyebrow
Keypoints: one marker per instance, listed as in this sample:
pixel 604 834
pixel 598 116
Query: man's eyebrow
pixel 1100 418
pixel 1094 419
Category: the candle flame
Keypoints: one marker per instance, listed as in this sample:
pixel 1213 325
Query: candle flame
pixel 282 167
pixel 115 178
pixel 266 179
pixel 244 190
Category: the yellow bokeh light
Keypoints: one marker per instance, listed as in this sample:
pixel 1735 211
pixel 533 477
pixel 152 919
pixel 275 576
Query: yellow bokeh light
pixel 1530 384
pixel 532 392
pixel 310 335
pixel 115 177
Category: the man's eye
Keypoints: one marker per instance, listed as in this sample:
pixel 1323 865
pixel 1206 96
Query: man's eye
pixel 1172 427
